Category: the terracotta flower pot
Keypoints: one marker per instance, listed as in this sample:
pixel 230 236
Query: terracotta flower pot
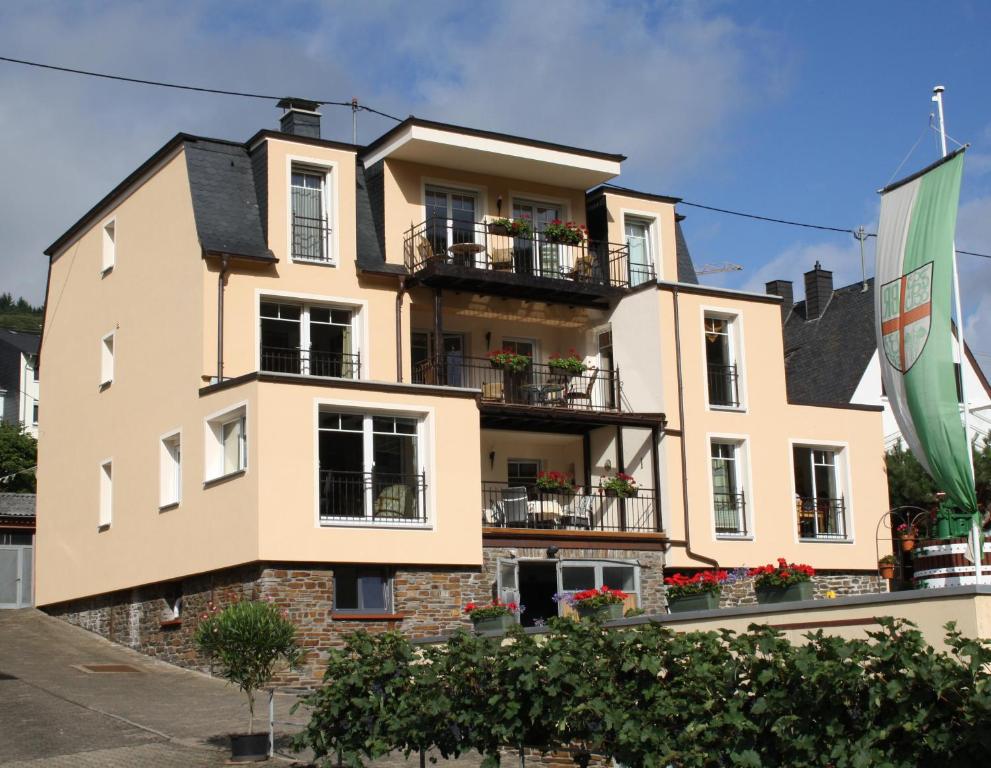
pixel 886 570
pixel 908 543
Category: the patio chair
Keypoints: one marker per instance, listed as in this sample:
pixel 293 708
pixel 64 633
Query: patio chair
pixel 583 270
pixel 514 507
pixel 502 259
pixel 494 515
pixel 581 514
pixel 425 250
pixel 586 396
pixel 492 390
pixel 393 502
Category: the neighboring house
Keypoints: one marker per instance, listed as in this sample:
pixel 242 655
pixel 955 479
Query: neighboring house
pixel 19 388
pixel 16 549
pixel 834 331
pixel 272 376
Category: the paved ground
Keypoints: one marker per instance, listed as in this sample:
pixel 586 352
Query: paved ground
pixel 53 714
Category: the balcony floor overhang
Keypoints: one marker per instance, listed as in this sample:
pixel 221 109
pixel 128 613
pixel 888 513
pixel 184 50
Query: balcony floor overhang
pixel 527 537
pixel 511 285
pixel 571 421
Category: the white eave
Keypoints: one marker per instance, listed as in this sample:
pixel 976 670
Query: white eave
pixel 497 156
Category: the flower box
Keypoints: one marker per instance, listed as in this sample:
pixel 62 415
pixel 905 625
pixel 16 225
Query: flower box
pixel 706 601
pixel 617 493
pixel 801 590
pixel 601 612
pixel 497 625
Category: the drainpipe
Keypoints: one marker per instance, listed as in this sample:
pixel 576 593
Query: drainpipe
pixel 221 281
pixel 399 329
pixel 684 433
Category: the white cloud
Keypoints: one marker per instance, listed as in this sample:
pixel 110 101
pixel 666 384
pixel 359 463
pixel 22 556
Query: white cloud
pixel 799 258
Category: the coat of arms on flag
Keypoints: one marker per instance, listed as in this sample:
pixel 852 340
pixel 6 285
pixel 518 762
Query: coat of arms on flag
pixel 906 307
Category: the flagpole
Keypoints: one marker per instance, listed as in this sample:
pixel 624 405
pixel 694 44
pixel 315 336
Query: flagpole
pixel 975 536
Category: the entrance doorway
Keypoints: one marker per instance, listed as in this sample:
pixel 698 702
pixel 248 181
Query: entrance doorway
pixel 537 587
pixel 16 555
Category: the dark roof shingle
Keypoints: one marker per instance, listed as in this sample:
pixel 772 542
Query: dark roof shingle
pixel 17 505
pixel 23 341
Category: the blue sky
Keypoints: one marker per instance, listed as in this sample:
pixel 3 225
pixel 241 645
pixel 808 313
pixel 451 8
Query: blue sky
pixel 797 110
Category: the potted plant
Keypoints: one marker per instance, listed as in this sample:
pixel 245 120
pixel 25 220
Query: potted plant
pixel 565 232
pixel 620 484
pixel 602 604
pixel 572 365
pixel 907 533
pixel 511 227
pixel 494 618
pixel 695 593
pixel 886 567
pixel 785 582
pixel 509 360
pixel 556 482
pixel 246 641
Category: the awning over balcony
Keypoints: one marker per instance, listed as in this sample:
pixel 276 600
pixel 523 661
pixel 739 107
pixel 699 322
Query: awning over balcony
pixel 497 154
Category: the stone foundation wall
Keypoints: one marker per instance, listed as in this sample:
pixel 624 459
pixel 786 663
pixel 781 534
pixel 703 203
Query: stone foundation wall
pixel 843 584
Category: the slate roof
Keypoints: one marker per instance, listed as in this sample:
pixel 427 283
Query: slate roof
pixel 686 267
pixel 23 341
pixel 19 505
pixel 225 201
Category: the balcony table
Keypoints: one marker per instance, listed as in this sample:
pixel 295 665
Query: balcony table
pixel 542 394
pixel 462 253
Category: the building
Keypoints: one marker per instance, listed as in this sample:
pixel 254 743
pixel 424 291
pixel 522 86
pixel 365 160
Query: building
pixel 834 330
pixel 16 549
pixel 19 388
pixel 326 374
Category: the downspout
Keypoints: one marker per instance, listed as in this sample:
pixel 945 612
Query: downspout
pixel 684 432
pixel 221 281
pixel 399 330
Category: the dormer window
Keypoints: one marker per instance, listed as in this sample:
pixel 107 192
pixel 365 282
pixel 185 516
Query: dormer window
pixel 310 215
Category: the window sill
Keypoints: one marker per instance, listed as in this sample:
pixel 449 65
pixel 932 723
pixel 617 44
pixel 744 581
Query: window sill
pixel 358 616
pixel 168 507
pixel 805 540
pixel 730 408
pixel 103 527
pixel 223 478
pixel 106 270
pixel 105 385
pixel 171 624
pixel 412 525
pixel 314 262
pixel 734 537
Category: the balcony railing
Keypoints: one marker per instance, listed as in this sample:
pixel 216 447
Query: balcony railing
pixel 723 386
pixel 731 514
pixel 539 385
pixel 477 245
pixel 505 506
pixel 372 497
pixel 310 238
pixel 821 518
pixel 310 362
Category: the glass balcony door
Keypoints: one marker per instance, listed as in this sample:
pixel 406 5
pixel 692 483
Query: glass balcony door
pixel 548 257
pixel 451 216
pixel 307 339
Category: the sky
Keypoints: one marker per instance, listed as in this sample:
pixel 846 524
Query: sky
pixel 789 109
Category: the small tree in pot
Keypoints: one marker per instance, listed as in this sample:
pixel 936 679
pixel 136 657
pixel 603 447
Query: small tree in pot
pixel 246 641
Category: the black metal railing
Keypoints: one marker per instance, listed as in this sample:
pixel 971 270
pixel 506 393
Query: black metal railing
pixel 481 246
pixel 539 384
pixel 821 518
pixel 310 362
pixel 310 238
pixel 723 385
pixel 731 514
pixel 505 506
pixel 372 497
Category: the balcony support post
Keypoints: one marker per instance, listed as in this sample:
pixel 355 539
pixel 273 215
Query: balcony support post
pixel 655 473
pixel 439 337
pixel 587 462
pixel 620 467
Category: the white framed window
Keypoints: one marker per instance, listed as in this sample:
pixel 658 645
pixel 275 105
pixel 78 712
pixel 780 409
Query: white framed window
pixel 227 443
pixel 109 241
pixel 821 492
pixel 721 338
pixel 309 338
pixel 371 468
pixel 639 233
pixel 727 459
pixel 106 494
pixel 310 214
pixel 170 475
pixel 362 590
pixel 107 345
pixel 579 575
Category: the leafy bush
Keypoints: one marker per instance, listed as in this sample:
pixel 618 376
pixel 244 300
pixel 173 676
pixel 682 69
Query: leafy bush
pixel 247 640
pixel 648 697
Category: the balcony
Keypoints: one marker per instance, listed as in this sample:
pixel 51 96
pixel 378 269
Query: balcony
pixel 731 514
pixel 821 518
pixel 590 510
pixel 474 256
pixel 310 362
pixel 372 498
pixel 538 386
pixel 310 239
pixel 723 390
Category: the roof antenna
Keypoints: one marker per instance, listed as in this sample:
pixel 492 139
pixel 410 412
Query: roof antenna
pixel 354 119
pixel 861 234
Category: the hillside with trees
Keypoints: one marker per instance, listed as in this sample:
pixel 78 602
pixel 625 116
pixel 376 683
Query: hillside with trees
pixel 20 315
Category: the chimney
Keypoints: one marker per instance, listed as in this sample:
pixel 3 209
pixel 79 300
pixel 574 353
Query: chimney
pixel 818 291
pixel 782 288
pixel 300 118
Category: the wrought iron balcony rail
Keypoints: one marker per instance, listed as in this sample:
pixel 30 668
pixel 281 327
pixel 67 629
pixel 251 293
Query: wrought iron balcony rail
pixel 482 246
pixel 372 497
pixel 310 362
pixel 723 386
pixel 821 518
pixel 592 509
pixel 731 514
pixel 310 238
pixel 539 384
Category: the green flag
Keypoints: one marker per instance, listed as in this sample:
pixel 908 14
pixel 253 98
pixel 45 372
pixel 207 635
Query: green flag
pixel 913 294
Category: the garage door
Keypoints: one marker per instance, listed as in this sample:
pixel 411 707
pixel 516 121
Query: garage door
pixel 16 588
